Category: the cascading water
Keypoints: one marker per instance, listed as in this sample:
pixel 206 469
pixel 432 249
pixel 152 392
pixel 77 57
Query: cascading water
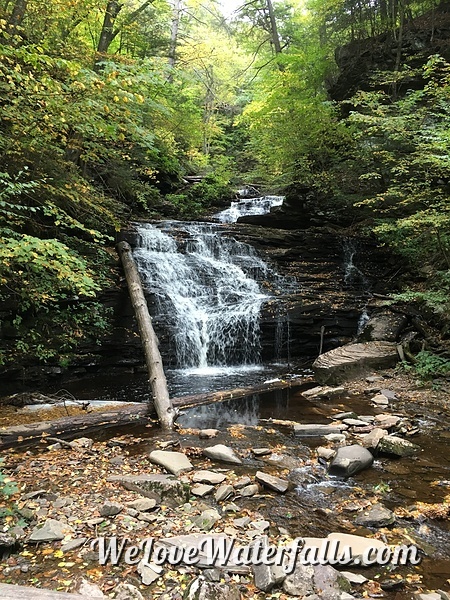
pixel 206 284
pixel 249 206
pixel 355 278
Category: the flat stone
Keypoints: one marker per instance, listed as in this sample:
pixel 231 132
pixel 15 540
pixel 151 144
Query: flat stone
pixel 396 446
pixel 156 486
pixel 386 421
pixel 354 422
pixel 345 415
pixel 249 490
pixel 354 578
pixel 242 522
pixel 351 360
pixel 428 596
pixel 372 439
pixel 350 460
pixel 380 399
pixel 376 516
pixel 390 395
pixel 260 525
pixel 223 492
pixel 208 477
pixel 266 577
pixel 272 482
pixel 111 509
pixel 335 437
pixel 374 378
pixel 142 504
pixel 222 453
pixel 206 434
pixel 207 519
pixel 82 443
pixel 51 531
pixel 326 453
pixel 359 545
pixel 324 392
pixel 149 572
pixel 242 482
pixel 261 451
pixel 317 430
pixel 202 489
pixel 174 462
pixel 73 544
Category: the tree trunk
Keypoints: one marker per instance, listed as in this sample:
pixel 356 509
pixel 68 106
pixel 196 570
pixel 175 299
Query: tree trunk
pixel 107 35
pixel 174 32
pixel 273 27
pixel 18 13
pixel 158 383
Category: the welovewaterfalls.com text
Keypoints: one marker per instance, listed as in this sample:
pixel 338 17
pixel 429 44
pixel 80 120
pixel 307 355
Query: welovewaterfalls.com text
pixel 225 552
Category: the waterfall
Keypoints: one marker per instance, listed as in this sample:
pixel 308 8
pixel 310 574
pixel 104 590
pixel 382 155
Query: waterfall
pixel 353 276
pixel 248 206
pixel 206 285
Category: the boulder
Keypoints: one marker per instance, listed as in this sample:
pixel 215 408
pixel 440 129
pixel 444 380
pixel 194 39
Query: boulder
pixel 350 460
pixel 174 462
pixel 396 446
pixel 354 360
pixel 372 439
pixel 155 486
pixel 111 509
pixel 266 577
pixel 222 453
pixel 300 581
pixel 383 325
pixel 376 516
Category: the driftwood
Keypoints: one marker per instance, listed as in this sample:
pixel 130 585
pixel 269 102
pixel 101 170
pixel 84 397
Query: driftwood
pixel 19 592
pixel 149 340
pixel 127 415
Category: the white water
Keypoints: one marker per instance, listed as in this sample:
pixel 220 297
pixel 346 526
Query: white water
pixel 249 206
pixel 205 286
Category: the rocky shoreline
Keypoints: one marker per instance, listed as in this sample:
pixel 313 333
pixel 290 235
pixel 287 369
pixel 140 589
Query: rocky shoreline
pixel 249 484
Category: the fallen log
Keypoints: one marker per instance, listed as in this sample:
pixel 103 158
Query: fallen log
pixel 135 414
pixel 157 377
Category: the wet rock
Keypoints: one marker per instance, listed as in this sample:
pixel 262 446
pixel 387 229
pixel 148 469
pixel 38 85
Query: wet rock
pixel 335 437
pixel 345 415
pixel 372 439
pixel 377 516
pixel 354 578
pixel 249 490
pixel 300 582
pixel 242 482
pixel 391 585
pixel 126 591
pixel 90 590
pixel 354 422
pixel 111 509
pixel 324 392
pixel 149 572
pixel 200 589
pixel 157 486
pixel 222 453
pixel 51 531
pixel 350 460
pixel 174 462
pixel 317 430
pixel 380 400
pixel 208 477
pixel 326 453
pixel 261 451
pixel 386 421
pixel 272 482
pixel 284 461
pixel 223 492
pixel 202 489
pixel 383 325
pixel 266 577
pixel 354 359
pixel 396 446
pixel 74 544
pixel 207 519
pixel 142 504
pixel 206 434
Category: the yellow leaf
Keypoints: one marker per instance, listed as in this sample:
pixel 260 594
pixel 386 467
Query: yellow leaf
pixel 59 554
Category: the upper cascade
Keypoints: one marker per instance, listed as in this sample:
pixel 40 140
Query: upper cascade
pixel 249 206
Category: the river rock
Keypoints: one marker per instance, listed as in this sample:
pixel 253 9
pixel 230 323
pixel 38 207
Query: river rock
pixel 383 325
pixel 249 490
pixel 242 482
pixel 326 453
pixel 389 394
pixel 300 581
pixel 350 460
pixel 149 572
pixel 223 492
pixel 73 544
pixel 354 422
pixel 209 477
pixel 337 438
pixel 324 392
pixel 51 531
pixel 310 430
pixel 359 545
pixel 174 462
pixel 386 421
pixel 206 434
pixel 272 482
pixel 380 400
pixel 111 509
pixel 90 590
pixel 142 504
pixel 261 451
pixel 266 577
pixel 372 439
pixel 200 589
pixel 376 516
pixel 202 489
pixel 396 446
pixel 354 578
pixel 222 453
pixel 126 591
pixel 352 360
pixel 156 486
pixel 326 582
pixel 207 519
